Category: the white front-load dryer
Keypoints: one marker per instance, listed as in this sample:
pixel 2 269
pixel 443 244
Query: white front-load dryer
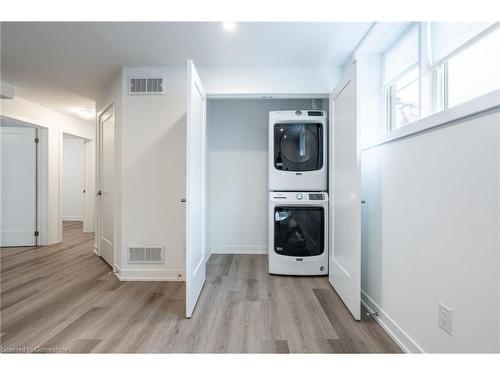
pixel 298 233
pixel 297 150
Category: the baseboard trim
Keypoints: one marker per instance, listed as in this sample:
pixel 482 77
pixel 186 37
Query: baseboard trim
pixel 404 341
pixel 95 249
pixel 240 250
pixel 52 242
pixel 72 218
pixel 149 275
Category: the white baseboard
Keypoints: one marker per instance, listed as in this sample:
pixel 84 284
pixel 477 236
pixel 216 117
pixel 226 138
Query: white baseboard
pixel 243 250
pixel 72 218
pixel 149 275
pixel 404 341
pixel 54 241
pixel 95 249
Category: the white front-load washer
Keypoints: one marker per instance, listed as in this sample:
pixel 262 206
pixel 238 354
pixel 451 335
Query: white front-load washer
pixel 297 151
pixel 298 233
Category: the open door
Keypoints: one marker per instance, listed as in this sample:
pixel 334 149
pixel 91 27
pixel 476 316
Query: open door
pixel 106 162
pixel 345 191
pixel 195 188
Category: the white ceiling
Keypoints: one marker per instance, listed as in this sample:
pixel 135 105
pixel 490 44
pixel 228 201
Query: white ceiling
pixel 64 65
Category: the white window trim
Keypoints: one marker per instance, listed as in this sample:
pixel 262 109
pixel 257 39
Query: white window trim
pixel 451 116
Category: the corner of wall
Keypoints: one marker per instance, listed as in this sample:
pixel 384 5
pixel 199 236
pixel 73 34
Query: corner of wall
pixel 404 341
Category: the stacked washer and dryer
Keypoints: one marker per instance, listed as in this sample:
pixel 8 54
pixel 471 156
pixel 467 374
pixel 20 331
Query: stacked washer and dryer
pixel 298 198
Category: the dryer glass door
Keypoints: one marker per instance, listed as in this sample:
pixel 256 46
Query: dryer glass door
pixel 299 231
pixel 298 147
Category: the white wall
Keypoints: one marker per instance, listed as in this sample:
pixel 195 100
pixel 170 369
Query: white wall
pixel 269 80
pixel 56 123
pixel 150 161
pixel 237 172
pixel 153 179
pixel 73 178
pixel 431 234
pixel 150 155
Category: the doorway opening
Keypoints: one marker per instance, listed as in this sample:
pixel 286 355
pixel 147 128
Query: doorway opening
pixel 73 186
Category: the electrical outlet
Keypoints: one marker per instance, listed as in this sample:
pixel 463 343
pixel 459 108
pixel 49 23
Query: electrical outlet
pixel 445 318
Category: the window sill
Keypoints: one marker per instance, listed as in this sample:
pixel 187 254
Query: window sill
pixel 462 111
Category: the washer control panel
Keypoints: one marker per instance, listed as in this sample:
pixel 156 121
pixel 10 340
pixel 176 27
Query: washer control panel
pixel 316 197
pixel 297 196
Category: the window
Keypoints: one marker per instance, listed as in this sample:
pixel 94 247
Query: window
pixel 401 79
pixel 413 70
pixel 402 100
pixel 466 57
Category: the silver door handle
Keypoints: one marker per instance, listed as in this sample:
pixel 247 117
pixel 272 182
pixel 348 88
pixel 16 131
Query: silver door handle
pixel 183 200
pixel 99 193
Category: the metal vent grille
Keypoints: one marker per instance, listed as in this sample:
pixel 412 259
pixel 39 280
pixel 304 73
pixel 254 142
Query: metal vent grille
pixel 145 255
pixel 146 86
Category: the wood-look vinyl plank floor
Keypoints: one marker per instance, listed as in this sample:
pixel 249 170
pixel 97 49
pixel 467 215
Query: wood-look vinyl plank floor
pixel 63 298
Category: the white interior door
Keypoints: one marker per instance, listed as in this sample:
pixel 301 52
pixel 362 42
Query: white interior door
pixel 18 186
pixel 105 191
pixel 345 204
pixel 195 188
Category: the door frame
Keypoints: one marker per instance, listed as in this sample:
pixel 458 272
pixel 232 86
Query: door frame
pixel 87 220
pixel 98 178
pixel 264 95
pixel 42 201
pixel 44 173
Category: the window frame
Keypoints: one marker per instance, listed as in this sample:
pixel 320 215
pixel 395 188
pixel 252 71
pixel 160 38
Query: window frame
pixel 369 56
pixel 389 87
pixel 439 75
pixel 390 90
pixel 441 87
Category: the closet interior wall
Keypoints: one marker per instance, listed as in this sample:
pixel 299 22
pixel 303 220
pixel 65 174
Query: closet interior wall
pixel 237 163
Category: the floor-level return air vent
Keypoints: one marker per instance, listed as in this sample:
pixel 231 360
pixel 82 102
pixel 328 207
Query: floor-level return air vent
pixel 146 85
pixel 145 254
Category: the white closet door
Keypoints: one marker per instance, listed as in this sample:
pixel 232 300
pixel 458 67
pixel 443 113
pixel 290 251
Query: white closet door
pixel 345 204
pixel 195 189
pixel 18 186
pixel 105 193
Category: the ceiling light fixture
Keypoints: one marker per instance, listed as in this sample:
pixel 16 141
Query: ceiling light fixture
pixel 229 26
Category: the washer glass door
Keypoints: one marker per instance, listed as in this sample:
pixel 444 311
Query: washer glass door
pixel 298 146
pixel 299 231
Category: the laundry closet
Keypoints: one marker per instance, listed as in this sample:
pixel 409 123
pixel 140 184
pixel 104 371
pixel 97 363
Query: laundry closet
pixel 250 190
pixel 237 171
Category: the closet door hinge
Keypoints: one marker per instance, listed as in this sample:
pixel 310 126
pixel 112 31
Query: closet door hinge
pixel 36 233
pixel 37 140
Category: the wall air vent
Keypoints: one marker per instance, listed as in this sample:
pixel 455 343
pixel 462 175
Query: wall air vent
pixel 146 255
pixel 146 85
